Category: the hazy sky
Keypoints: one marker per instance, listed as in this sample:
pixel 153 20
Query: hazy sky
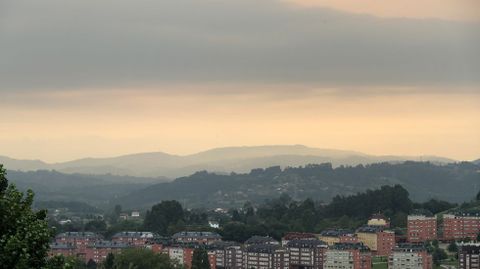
pixel 102 78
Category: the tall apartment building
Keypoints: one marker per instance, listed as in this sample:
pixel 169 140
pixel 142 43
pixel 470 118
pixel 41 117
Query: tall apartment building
pixel 379 240
pixel 421 228
pixel 233 257
pixel 408 256
pixel 348 256
pixel 469 256
pixel 266 256
pixel 458 226
pixel 306 253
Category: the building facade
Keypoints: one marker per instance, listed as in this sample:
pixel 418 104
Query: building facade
pixel 460 225
pixel 306 254
pixel 469 256
pixel 408 256
pixel 421 228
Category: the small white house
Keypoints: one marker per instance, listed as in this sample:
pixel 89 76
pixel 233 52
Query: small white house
pixel 214 224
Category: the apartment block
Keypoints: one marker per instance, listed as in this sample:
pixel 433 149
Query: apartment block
pixel 457 226
pixel 421 228
pixel 306 253
pixel 469 256
pixel 409 256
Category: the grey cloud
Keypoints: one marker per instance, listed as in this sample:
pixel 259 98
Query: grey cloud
pixel 72 44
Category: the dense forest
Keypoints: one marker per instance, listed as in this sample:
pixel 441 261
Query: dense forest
pixel 423 180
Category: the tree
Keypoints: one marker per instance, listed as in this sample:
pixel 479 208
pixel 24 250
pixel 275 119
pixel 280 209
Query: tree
pixel 452 247
pixel 24 234
pixel 142 259
pixel 164 215
pixel 478 237
pixel 96 226
pixel 478 196
pixel 108 263
pixel 200 259
pixel 91 264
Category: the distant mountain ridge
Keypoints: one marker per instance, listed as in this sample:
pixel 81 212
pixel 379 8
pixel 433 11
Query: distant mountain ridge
pixel 221 160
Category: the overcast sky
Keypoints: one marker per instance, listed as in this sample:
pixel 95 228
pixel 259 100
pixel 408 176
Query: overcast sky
pixel 98 78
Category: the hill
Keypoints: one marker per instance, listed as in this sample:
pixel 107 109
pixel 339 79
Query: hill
pixel 453 182
pixel 220 160
pixel 95 190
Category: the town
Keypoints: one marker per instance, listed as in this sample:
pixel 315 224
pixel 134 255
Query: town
pixel 373 245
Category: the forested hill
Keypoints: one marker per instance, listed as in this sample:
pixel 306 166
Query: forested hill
pixel 452 182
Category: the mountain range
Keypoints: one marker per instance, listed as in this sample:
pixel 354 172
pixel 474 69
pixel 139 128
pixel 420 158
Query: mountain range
pixel 219 160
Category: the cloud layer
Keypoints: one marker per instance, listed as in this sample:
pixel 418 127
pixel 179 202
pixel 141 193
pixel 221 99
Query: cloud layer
pixel 56 44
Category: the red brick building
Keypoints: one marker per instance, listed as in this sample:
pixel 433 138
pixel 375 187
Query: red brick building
pixel 297 236
pixel 79 240
pixel 204 238
pixel 306 254
pixel 99 250
pixel 61 249
pixel 421 228
pixel 460 225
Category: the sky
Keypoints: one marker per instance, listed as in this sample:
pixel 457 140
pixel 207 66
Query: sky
pixel 104 78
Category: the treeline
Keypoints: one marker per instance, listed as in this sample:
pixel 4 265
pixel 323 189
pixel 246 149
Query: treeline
pixel 279 216
pixel 453 182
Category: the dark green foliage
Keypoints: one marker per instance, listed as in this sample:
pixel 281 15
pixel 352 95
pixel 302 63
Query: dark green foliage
pixel 478 196
pixel 142 259
pixel 435 206
pixel 278 216
pixel 451 182
pixel 109 261
pixel 200 259
pixel 24 234
pixel 452 247
pixel 165 215
pixel 91 264
pixel 97 226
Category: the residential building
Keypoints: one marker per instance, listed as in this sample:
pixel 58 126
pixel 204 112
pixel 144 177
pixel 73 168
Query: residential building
pixel 378 220
pixel 204 238
pixel 348 256
pixel 409 256
pixel 306 253
pixel 457 226
pixel 64 249
pixel 379 240
pixel 469 256
pixel 233 257
pixel 98 251
pixel 334 236
pixel 79 240
pixel 267 256
pixel 421 228
pixel 295 236
pixel 261 240
pixel 137 239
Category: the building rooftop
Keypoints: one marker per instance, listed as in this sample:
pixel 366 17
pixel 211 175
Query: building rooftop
pixel 406 247
pixel 264 248
pixel 78 235
pixel 134 234
pixel 335 232
pixel 421 212
pixel 293 236
pixel 208 235
pixel 370 229
pixel 107 244
pixel 307 243
pixel 349 246
pixel 54 246
pixel 259 240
